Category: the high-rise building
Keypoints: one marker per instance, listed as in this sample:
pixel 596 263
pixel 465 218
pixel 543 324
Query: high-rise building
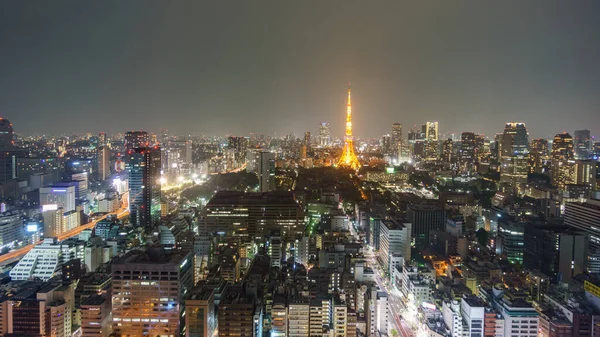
pixel 11 229
pixel 54 197
pixel 397 138
pixel 135 139
pixel 200 318
pixel 6 135
pixel 387 147
pixel 583 144
pixel 239 313
pixel 307 141
pixel 348 158
pixel 298 318
pixel 266 171
pixel 424 220
pixel 394 238
pixel 431 141
pixel 511 240
pixel 514 154
pixel 539 156
pixel 467 150
pixel 563 166
pixel 585 218
pixel 431 131
pixel 556 251
pixel 448 151
pixel 143 166
pixel 103 163
pixel 252 215
pixel 96 318
pixel 324 134
pixel 148 292
pixel 102 141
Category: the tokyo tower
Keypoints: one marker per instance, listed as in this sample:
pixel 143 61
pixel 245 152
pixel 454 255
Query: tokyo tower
pixel 348 158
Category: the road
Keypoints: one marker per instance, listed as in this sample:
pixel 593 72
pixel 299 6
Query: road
pixel 16 254
pixel 394 302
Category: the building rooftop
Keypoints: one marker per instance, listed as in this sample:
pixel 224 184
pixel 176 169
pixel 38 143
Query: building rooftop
pixel 94 300
pixel 200 293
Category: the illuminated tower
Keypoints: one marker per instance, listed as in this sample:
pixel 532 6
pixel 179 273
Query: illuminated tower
pixel 348 158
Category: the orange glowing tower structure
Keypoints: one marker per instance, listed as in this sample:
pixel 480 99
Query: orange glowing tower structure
pixel 348 158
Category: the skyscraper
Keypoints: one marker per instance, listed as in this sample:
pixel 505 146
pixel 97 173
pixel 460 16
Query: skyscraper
pixel 103 163
pixel 583 144
pixel 563 166
pixel 514 153
pixel 266 171
pixel 143 165
pixel 102 139
pixel 467 150
pixel 348 158
pixel 6 135
pixel 307 141
pixel 135 139
pixel 431 140
pixel 324 134
pixel 397 138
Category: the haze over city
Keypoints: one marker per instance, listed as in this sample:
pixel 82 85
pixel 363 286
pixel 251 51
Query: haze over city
pixel 229 67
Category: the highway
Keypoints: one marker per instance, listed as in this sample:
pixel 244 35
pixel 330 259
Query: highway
pixel 16 254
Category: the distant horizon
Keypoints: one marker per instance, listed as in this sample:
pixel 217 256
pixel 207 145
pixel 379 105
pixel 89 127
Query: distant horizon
pixel 280 66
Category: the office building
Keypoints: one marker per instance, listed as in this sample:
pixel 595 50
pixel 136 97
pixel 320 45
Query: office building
pixel 467 155
pixel 136 139
pixel 319 316
pixel 583 144
pixel 514 154
pixel 11 229
pixel 431 140
pixel 6 135
pixel 38 309
pixel 307 141
pixel 58 196
pixel 143 166
pixel 472 310
pixel 394 238
pixel 148 292
pixel 424 219
pixel 448 151
pixel 58 222
pixel 519 317
pixel 562 155
pixel 266 171
pixel 96 316
pixel 511 240
pixel 557 251
pixel 252 215
pixel 45 260
pixel 103 163
pixel 397 139
pixel 239 314
pixel 324 135
pixel 584 217
pixel 200 318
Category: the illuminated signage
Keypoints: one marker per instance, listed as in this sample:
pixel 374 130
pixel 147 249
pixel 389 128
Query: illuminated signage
pixel 49 207
pixel 32 228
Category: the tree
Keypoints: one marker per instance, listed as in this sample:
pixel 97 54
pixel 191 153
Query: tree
pixel 394 332
pixel 482 236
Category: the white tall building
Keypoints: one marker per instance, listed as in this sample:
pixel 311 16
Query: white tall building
pixel 320 313
pixel 324 135
pixel 298 319
pixel 394 238
pixel 57 197
pixel 340 319
pixel 45 260
pixel 279 319
pixel 472 310
pixel 452 318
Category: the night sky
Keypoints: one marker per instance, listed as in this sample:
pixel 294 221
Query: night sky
pixel 236 67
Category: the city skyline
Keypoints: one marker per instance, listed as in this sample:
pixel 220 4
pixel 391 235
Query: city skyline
pixel 199 68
